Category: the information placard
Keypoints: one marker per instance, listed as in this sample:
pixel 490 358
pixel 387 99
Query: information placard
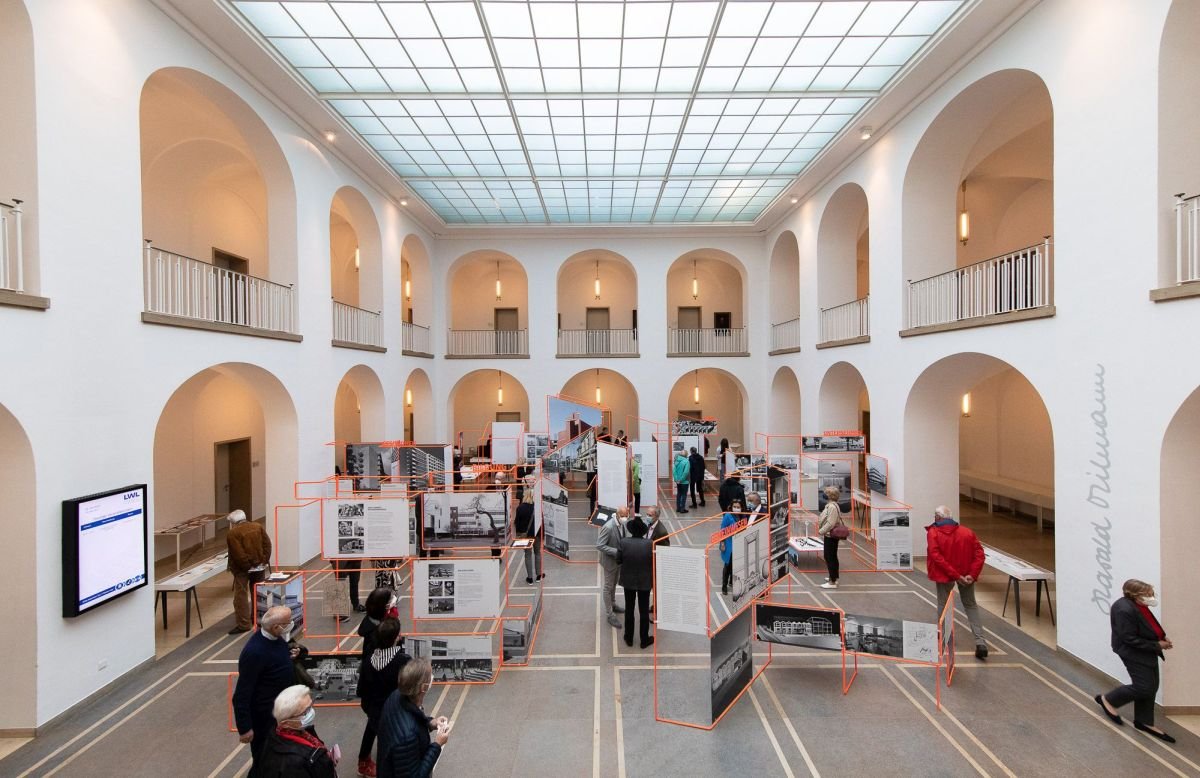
pixel 554 517
pixel 374 528
pixel 456 588
pixel 680 581
pixel 612 488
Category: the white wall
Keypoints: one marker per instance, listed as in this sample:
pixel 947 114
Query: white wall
pixel 473 292
pixel 577 290
pixel 1008 432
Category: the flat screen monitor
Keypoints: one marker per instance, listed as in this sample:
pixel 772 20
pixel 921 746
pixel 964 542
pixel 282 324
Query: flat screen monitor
pixel 105 545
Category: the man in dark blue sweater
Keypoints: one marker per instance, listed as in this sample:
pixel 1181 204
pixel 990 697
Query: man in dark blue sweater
pixel 264 670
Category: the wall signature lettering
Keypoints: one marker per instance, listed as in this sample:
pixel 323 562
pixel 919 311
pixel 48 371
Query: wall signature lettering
pixel 1098 494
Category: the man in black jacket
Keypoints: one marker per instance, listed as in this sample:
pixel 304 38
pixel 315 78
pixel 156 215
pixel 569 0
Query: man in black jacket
pixel 696 462
pixel 637 559
pixel 731 489
pixel 264 670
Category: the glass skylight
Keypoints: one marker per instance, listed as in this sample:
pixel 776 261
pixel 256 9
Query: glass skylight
pixel 531 112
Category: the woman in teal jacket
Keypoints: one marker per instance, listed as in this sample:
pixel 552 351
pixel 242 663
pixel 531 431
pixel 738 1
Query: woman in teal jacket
pixel 681 474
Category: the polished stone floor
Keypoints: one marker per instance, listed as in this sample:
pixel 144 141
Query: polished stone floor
pixel 585 704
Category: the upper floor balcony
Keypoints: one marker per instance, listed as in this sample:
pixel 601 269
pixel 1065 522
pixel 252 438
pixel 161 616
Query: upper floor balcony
pixel 785 337
pixel 597 343
pixel 846 324
pixel 183 291
pixel 1012 287
pixel 358 328
pixel 13 259
pixel 487 344
pixel 1187 251
pixel 707 342
pixel 415 340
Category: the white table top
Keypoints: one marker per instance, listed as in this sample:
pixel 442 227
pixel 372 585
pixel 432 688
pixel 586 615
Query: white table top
pixel 807 544
pixel 197 522
pixel 198 573
pixel 1015 567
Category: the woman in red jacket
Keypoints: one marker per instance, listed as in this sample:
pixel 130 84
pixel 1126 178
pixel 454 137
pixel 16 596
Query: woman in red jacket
pixel 956 557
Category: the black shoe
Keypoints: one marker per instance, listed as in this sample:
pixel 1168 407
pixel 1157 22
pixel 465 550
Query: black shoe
pixel 647 642
pixel 629 642
pixel 529 581
pixel 341 619
pixel 540 577
pixel 358 608
pixel 981 652
pixel 237 630
pixel 1163 736
pixel 682 510
pixel 1114 718
pixel 702 504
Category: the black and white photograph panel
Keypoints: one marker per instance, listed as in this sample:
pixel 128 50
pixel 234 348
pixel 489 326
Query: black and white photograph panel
pixel 731 664
pixel 798 626
pixel 875 635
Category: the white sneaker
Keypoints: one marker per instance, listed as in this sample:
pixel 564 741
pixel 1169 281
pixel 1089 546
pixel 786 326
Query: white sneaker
pixel 826 578
pixel 829 585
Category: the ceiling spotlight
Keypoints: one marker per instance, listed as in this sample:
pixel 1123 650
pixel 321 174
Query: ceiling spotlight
pixel 403 201
pixel 330 136
pixel 795 200
pixel 864 133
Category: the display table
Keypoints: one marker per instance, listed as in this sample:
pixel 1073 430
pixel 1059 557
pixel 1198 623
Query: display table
pixel 186 581
pixel 199 524
pixel 1019 570
pixel 1041 497
pixel 811 544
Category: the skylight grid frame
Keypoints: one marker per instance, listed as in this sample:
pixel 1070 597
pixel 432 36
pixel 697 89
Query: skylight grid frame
pixel 352 51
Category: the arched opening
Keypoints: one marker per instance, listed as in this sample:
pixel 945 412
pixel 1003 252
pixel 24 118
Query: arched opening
pixel 597 305
pixel 844 265
pixel 785 411
pixel 975 426
pixel 488 298
pixel 1178 154
pixel 710 393
pixel 227 439
pixel 416 287
pixel 844 403
pixel 1179 490
pixel 18 509
pixel 218 205
pixel 359 409
pixel 355 261
pixel 418 408
pixel 611 390
pixel 706 304
pixel 978 204
pixel 785 293
pixel 482 397
pixel 19 270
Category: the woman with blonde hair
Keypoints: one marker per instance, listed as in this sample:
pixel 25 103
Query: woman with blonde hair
pixel 832 530
pixel 1139 640
pixel 410 742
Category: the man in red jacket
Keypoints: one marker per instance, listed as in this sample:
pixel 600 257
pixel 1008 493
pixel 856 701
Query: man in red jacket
pixel 956 557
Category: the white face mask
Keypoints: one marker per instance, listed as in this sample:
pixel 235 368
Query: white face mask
pixel 1149 602
pixel 308 718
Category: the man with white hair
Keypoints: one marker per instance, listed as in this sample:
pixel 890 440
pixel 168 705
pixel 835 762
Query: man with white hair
pixel 264 670
pixel 294 748
pixel 249 552
pixel 956 557
pixel 755 507
pixel 608 543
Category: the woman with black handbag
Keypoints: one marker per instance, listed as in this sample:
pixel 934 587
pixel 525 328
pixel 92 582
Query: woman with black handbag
pixel 833 530
pixel 525 528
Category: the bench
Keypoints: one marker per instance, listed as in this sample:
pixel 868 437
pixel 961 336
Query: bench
pixel 186 581
pixel 1041 497
pixel 1019 570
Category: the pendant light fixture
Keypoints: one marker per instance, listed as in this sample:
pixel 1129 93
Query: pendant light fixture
pixel 408 397
pixel 408 289
pixel 966 405
pixel 964 218
pixel 357 258
pixel 498 292
pixel 695 282
pixel 696 388
pixel 597 386
pixel 597 281
pixel 500 387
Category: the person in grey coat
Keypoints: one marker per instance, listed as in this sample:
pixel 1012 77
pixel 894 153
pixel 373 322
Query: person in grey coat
pixel 608 544
pixel 637 559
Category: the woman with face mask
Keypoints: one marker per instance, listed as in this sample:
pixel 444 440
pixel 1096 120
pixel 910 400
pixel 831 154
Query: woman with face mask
pixel 1139 640
pixel 410 742
pixel 293 751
